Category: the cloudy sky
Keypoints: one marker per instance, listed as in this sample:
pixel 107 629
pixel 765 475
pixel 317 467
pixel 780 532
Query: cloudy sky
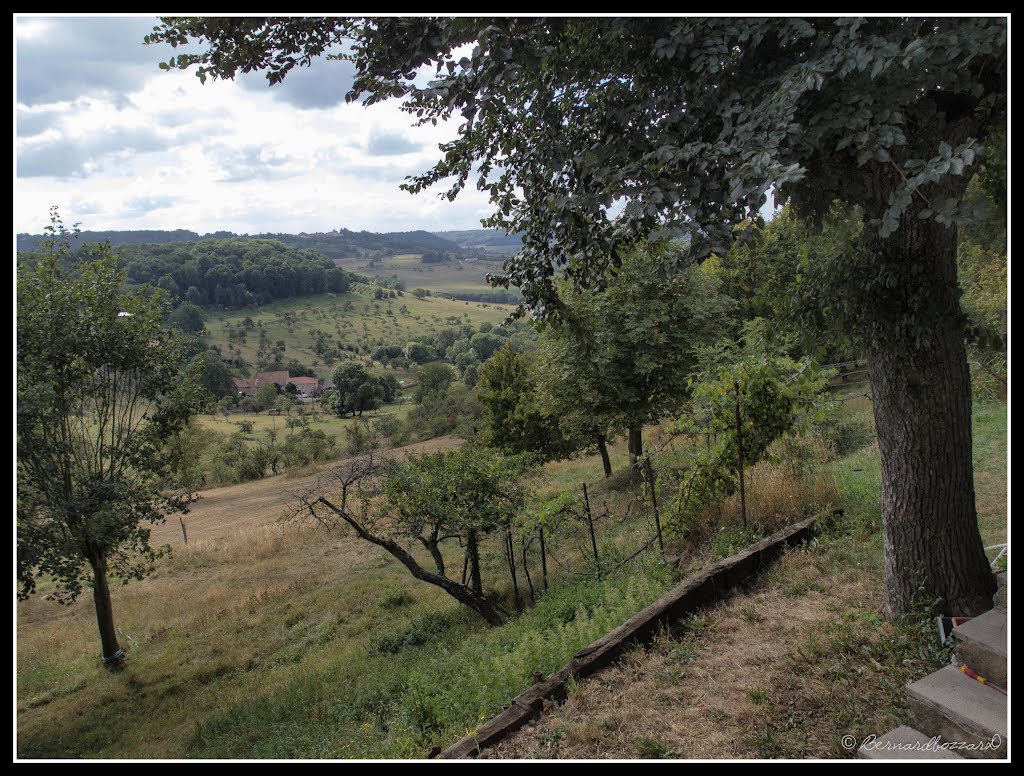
pixel 117 143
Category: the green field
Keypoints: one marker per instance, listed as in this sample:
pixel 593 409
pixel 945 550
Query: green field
pixel 346 319
pixel 284 641
pixel 324 420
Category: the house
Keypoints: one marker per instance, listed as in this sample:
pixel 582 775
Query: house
pixel 244 386
pixel 280 379
pixel 247 386
pixel 307 386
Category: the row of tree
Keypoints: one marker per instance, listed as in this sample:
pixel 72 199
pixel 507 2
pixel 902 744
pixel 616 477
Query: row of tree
pixel 234 272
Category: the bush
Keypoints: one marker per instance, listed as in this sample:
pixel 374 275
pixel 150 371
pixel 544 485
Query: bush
pixel 395 598
pixel 420 631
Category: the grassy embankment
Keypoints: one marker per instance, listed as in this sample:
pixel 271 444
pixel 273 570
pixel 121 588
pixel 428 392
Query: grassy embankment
pixel 788 668
pixel 282 641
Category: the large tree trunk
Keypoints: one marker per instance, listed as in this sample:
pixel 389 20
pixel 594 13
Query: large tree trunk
pixel 922 406
pixel 112 654
pixel 602 448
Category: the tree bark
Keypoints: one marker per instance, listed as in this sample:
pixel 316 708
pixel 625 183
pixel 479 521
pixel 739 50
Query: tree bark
pixel 636 446
pixel 473 552
pixel 922 406
pixel 112 654
pixel 435 551
pixel 602 448
pixel 474 599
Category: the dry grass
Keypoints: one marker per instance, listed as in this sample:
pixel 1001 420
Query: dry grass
pixel 235 509
pixel 705 688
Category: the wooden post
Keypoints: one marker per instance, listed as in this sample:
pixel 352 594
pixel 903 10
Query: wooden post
pixel 543 560
pixel 184 533
pixel 739 455
pixel 590 525
pixel 510 549
pixel 649 470
pixel 526 570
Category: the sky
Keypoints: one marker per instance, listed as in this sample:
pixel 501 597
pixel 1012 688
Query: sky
pixel 117 143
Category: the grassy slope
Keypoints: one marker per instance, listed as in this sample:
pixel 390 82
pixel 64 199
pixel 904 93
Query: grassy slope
pixel 367 323
pixel 273 643
pixel 442 277
pixel 787 669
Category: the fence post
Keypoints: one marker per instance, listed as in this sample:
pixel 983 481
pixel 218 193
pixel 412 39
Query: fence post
pixel 739 453
pixel 590 525
pixel 649 470
pixel 512 567
pixel 543 559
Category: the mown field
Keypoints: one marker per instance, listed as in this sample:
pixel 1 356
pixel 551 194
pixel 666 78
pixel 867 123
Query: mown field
pixel 270 638
pixel 450 277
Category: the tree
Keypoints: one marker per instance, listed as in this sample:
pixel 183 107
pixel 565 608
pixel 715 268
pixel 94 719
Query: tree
pixel 432 380
pixel 630 349
pixel 510 397
pixel 101 388
pixel 213 375
pixel 687 123
pixel 266 396
pixel 461 495
pixel 187 317
pixel 355 390
pixel 747 396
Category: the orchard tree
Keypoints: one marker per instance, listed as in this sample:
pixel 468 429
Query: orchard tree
pixel 746 396
pixel 592 133
pixel 629 349
pixel 456 496
pixel 100 391
pixel 266 396
pixel 355 390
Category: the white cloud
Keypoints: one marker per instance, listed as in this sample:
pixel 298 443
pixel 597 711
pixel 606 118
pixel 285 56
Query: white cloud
pixel 127 146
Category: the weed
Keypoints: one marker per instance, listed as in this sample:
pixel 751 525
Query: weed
pixel 653 749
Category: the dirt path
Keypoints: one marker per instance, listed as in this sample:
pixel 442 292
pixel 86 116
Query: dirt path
pixel 226 511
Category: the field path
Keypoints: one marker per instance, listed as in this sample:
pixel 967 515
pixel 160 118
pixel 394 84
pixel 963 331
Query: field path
pixel 226 511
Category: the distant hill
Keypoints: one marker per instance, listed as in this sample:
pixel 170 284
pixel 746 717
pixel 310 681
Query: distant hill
pixel 28 242
pixel 484 241
pixel 337 244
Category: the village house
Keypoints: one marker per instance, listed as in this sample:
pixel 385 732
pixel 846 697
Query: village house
pixel 247 386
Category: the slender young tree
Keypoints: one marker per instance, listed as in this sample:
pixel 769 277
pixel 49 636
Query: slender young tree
pixel 100 390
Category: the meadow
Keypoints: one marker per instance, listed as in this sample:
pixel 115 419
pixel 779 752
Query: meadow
pixel 267 637
pixel 450 277
pixel 348 321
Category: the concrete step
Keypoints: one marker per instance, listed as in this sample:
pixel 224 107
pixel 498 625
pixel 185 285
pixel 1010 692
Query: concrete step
pixel 1002 588
pixel 981 646
pixel 905 743
pixel 964 713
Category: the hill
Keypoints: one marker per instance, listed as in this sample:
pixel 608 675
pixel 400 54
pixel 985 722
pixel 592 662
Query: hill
pixel 484 241
pixel 336 244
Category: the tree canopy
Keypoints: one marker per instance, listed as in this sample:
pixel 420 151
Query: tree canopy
pixel 878 111
pixel 101 387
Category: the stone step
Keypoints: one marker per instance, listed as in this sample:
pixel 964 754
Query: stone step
pixel 905 743
pixel 968 716
pixel 1003 586
pixel 981 646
